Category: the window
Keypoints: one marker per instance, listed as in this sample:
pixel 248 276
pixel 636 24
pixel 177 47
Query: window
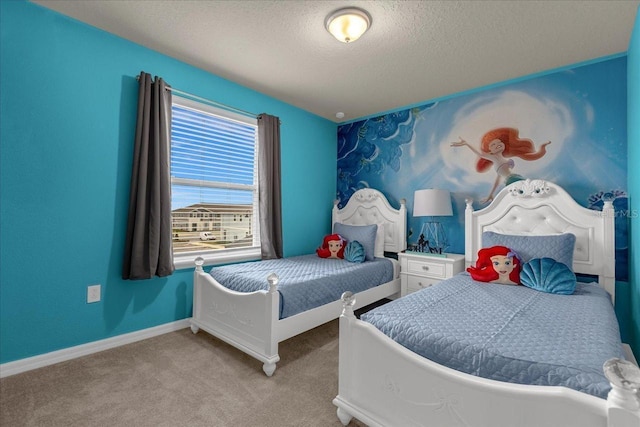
pixel 213 181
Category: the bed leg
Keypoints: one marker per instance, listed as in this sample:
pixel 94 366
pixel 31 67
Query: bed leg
pixel 194 329
pixel 269 368
pixel 344 416
pixel 623 401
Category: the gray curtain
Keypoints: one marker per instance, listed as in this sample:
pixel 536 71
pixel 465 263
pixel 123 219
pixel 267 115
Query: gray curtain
pixel 148 246
pixel 270 192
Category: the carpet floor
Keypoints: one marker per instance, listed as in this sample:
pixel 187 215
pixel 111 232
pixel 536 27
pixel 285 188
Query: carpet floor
pixel 181 379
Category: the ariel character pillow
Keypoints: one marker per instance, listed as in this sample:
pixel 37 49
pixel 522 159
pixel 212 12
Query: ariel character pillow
pixel 332 246
pixel 497 264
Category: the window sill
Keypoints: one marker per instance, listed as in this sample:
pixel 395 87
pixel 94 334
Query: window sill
pixel 184 261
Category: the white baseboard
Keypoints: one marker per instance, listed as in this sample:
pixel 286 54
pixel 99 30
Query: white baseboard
pixel 29 363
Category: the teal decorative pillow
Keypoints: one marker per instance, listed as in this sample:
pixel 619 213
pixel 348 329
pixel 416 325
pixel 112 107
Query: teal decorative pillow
pixel 354 252
pixel 557 246
pixel 548 275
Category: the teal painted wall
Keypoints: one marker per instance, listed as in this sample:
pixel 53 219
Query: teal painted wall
pixel 67 117
pixel 633 178
pixel 68 104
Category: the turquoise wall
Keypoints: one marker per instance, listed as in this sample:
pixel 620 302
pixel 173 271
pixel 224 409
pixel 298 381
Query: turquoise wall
pixel 68 104
pixel 67 118
pixel 633 177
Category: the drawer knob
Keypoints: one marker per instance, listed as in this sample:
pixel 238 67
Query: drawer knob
pixel 425 267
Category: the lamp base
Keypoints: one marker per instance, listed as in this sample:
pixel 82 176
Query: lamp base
pixel 432 239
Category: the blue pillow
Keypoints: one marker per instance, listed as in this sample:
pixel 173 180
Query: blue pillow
pixel 354 252
pixel 557 246
pixel 548 275
pixel 365 234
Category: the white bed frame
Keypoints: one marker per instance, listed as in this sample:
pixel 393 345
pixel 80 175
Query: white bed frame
pixel 250 321
pixel 384 384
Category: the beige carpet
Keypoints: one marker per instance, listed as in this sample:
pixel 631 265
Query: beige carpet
pixel 181 379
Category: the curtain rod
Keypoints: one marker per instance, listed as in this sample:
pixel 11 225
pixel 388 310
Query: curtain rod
pixel 208 101
pixel 214 103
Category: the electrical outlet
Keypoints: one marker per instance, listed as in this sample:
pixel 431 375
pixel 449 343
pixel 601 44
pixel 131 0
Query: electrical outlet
pixel 93 293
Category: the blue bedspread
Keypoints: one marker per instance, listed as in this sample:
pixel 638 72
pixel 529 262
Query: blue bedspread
pixel 508 333
pixel 306 281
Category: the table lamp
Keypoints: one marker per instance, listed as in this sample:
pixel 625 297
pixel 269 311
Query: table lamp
pixel 432 203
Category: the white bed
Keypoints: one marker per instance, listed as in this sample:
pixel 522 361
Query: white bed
pixel 384 384
pixel 250 321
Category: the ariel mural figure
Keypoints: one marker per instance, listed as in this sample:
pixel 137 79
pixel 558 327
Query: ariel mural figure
pixel 496 148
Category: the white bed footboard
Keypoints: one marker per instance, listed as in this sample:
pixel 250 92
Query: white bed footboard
pixel 384 384
pixel 245 320
pixel 250 321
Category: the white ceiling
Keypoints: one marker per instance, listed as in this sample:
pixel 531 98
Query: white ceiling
pixel 415 51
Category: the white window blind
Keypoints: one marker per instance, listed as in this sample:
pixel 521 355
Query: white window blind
pixel 214 183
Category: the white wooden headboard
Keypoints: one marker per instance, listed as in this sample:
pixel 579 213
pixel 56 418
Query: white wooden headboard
pixel 368 206
pixel 537 207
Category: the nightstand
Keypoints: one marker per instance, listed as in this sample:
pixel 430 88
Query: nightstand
pixel 418 271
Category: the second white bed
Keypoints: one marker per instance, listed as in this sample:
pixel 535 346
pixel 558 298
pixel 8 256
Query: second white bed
pixel 251 321
pixel 382 383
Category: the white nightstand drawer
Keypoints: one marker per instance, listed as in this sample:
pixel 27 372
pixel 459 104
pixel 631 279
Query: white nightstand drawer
pixel 418 271
pixel 415 283
pixel 427 268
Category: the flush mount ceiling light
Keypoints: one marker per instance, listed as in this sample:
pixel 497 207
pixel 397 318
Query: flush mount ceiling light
pixel 348 24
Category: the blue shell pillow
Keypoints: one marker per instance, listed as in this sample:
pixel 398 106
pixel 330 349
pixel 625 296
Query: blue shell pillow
pixel 557 246
pixel 548 275
pixel 354 252
pixel 365 234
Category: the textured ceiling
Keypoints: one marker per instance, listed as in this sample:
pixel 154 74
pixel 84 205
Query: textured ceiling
pixel 415 51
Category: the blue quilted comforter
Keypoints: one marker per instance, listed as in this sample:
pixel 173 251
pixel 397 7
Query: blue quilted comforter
pixel 508 333
pixel 306 281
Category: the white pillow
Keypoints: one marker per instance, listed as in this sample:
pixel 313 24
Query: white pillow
pixel 378 251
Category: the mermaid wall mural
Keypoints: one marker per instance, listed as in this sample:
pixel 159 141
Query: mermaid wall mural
pixel 568 127
pixel 496 149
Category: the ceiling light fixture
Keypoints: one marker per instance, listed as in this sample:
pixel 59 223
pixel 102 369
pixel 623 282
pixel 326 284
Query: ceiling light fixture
pixel 348 24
